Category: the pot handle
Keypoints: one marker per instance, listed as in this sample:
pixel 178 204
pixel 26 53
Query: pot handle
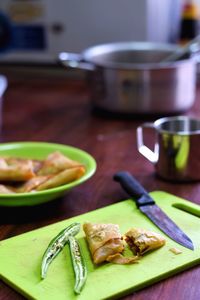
pixel 152 156
pixel 73 60
pixel 3 85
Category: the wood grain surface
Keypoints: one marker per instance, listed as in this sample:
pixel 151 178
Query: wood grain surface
pixel 58 109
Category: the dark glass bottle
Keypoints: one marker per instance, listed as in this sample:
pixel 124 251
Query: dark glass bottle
pixel 189 25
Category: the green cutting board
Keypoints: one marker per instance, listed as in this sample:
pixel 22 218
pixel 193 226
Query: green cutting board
pixel 20 256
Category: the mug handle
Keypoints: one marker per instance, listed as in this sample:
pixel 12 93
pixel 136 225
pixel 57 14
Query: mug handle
pixel 152 156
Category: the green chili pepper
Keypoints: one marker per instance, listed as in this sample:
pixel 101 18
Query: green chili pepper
pixel 56 245
pixel 79 266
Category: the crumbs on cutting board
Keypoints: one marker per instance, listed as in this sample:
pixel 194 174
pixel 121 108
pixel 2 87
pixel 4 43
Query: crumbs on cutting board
pixel 175 251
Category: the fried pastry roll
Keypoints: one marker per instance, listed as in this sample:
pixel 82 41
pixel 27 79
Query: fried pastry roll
pixel 61 178
pixel 16 169
pixel 32 184
pixel 6 189
pixel 55 163
pixel 104 240
pixel 140 240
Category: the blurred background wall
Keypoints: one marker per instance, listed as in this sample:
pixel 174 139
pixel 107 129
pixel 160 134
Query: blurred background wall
pixel 36 31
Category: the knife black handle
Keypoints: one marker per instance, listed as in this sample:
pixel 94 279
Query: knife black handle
pixel 133 188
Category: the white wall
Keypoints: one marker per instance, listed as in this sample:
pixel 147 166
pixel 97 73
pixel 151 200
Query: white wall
pixel 163 20
pixel 89 22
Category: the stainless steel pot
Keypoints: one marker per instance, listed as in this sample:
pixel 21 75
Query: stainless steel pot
pixel 129 77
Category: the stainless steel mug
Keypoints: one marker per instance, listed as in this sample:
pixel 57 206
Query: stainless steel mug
pixel 176 153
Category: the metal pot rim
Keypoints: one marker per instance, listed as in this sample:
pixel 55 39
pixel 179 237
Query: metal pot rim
pixel 89 54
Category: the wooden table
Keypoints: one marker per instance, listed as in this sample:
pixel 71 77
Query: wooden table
pixel 57 109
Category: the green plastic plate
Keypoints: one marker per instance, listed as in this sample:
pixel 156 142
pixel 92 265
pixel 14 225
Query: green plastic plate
pixel 40 150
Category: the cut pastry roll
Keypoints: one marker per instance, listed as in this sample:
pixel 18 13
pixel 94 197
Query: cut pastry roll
pixel 103 240
pixel 140 240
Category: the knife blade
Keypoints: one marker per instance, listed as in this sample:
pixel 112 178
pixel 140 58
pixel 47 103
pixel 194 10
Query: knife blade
pixel 147 206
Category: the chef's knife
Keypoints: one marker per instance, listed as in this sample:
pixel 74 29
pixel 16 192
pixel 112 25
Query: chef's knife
pixel 148 206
